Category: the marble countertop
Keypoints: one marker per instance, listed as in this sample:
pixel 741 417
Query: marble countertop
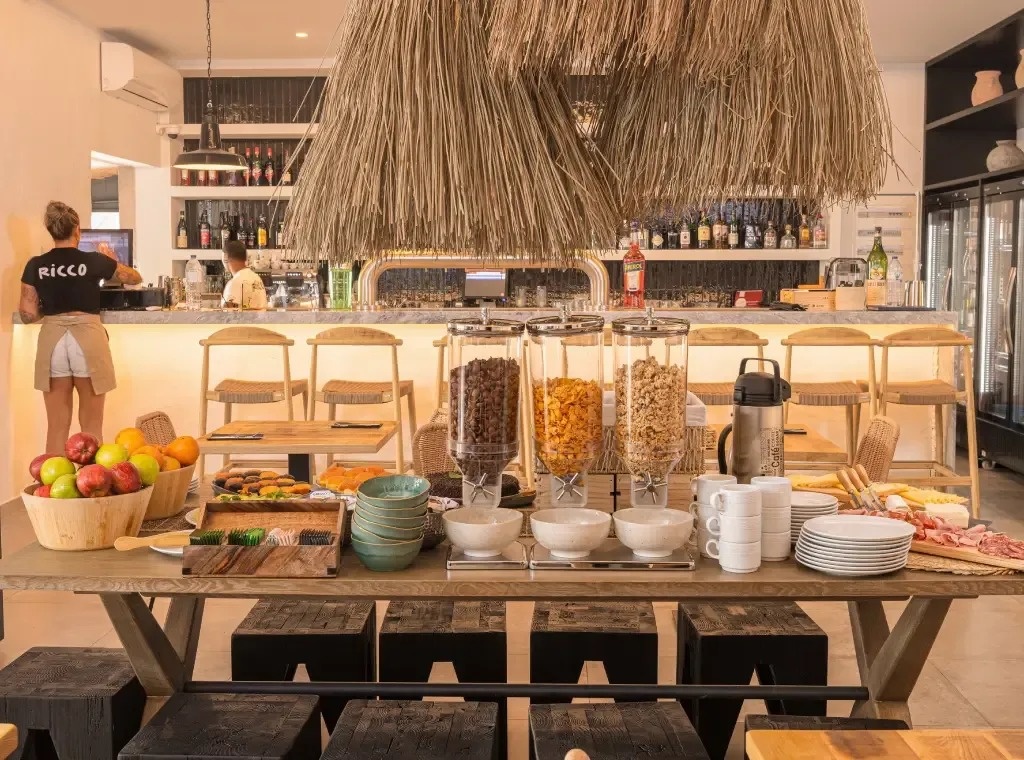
pixel 441 316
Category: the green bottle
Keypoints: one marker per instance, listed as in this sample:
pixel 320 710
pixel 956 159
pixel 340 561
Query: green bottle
pixel 878 262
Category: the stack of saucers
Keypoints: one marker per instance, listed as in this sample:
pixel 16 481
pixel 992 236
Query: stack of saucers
pixel 388 520
pixel 854 545
pixel 806 505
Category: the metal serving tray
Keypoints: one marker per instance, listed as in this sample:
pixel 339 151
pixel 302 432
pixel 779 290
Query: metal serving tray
pixel 611 555
pixel 512 558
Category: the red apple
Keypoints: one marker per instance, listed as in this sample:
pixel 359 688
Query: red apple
pixel 94 480
pixel 125 478
pixel 37 465
pixel 81 448
pixel 43 492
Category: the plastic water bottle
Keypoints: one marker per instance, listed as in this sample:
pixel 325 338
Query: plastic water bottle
pixel 894 284
pixel 195 275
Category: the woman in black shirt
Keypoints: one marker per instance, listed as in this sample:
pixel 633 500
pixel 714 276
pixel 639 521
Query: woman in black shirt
pixel 62 288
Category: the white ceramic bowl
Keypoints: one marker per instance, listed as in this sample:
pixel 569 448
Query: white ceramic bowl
pixel 482 531
pixel 653 532
pixel 569 532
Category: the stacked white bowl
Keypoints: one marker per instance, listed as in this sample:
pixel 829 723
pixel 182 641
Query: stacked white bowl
pixel 738 525
pixel 704 487
pixel 807 505
pixel 776 516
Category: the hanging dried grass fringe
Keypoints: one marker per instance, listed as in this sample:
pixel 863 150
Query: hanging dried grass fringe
pixel 421 145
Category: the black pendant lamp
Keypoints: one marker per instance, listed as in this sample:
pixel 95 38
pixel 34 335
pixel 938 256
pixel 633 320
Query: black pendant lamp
pixel 210 155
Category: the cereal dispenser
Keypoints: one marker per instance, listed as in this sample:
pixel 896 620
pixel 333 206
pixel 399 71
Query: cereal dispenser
pixel 483 426
pixel 566 382
pixel 650 402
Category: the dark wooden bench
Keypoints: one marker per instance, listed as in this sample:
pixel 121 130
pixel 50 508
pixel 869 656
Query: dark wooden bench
pixel 239 726
pixel 614 731
pixel 336 641
pixel 726 643
pixel 370 730
pixel 819 723
pixel 71 703
pixel 623 636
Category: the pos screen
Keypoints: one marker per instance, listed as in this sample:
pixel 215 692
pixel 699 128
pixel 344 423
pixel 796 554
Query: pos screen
pixel 485 283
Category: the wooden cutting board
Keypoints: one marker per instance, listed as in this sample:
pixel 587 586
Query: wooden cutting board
pixel 967 554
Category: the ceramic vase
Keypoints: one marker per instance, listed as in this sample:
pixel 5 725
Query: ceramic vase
pixel 1005 155
pixel 986 87
pixel 1018 77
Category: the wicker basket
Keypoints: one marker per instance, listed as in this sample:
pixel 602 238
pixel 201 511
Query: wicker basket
pixel 170 492
pixel 72 525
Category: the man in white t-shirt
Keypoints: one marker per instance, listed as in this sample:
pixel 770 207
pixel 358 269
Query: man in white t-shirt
pixel 245 288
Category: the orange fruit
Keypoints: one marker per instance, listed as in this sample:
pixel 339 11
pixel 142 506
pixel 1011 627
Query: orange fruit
pixel 184 448
pixel 153 451
pixel 170 463
pixel 132 439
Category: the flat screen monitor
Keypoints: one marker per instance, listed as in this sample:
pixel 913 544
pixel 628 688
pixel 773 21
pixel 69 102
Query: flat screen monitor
pixel 485 283
pixel 121 241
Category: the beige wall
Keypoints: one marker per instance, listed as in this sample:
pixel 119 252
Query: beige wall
pixel 52 115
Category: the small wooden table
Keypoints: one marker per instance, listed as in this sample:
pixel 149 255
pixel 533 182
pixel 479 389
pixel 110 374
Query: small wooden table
pixel 805 449
pixel 300 440
pixel 947 744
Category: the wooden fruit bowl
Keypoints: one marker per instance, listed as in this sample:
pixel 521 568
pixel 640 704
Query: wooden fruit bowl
pixel 169 493
pixel 73 525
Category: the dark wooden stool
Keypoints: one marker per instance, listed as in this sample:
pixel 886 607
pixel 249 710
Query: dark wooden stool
pixel 623 731
pixel 218 726
pixel 724 643
pixel 336 641
pixel 621 635
pixel 369 730
pixel 71 703
pixel 818 723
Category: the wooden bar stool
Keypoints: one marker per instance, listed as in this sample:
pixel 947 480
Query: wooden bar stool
pixel 720 394
pixel 357 392
pixel 441 344
pixel 848 394
pixel 937 394
pixel 230 391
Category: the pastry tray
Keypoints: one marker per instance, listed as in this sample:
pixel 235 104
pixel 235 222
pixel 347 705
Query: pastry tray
pixel 611 555
pixel 512 558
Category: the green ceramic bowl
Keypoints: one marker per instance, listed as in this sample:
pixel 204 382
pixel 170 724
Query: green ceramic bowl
pixel 405 513
pixel 394 491
pixel 386 558
pixel 385 531
pixel 368 536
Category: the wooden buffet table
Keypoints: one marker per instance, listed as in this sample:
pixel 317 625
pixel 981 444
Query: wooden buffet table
pixel 805 450
pixel 889 660
pixel 947 744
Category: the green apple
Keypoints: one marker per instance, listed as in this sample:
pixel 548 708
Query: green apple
pixel 147 466
pixel 64 487
pixel 54 468
pixel 110 454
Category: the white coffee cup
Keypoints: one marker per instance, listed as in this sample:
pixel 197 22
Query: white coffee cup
pixel 735 558
pixel 703 536
pixel 702 513
pixel 704 486
pixel 737 500
pixel 776 520
pixel 775 491
pixel 739 530
pixel 775 546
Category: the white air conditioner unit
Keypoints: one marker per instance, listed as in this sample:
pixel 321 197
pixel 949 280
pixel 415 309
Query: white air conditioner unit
pixel 133 76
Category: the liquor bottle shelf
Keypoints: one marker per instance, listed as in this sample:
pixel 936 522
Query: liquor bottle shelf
pixel 231 192
pixel 729 254
pixel 247 131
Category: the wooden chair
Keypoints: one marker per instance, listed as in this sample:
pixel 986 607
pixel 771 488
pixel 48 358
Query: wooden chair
pixel 430 449
pixel 937 394
pixel 848 394
pixel 230 391
pixel 877 448
pixel 441 344
pixel 720 394
pixel 357 392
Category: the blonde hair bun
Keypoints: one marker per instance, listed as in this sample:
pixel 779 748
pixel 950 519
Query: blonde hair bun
pixel 61 220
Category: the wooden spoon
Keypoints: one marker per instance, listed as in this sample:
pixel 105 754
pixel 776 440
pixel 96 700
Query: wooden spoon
pixel 175 540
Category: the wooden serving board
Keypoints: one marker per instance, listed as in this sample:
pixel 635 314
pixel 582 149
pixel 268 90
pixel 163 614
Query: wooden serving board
pixel 839 493
pixel 268 561
pixel 967 554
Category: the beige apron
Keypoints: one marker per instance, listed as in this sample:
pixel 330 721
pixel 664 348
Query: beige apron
pixel 88 330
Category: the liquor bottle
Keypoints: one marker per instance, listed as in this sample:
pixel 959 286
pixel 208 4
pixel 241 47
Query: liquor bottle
pixel 201 178
pixel 788 239
pixel 657 236
pixel 268 167
pixel 256 169
pixel 633 266
pixel 246 173
pixel 878 270
pixel 232 179
pixel 184 178
pixel 704 232
pixel 751 234
pixel 686 236
pixel 804 237
pixel 225 230
pixel 236 228
pixel 643 236
pixel 820 234
pixel 720 232
pixel 624 236
pixel 262 234
pixel 205 233
pixel 286 170
pixel 181 241
pixel 771 237
pixel 734 233
pixel 672 238
pixel 279 240
pixel 212 178
pixel 894 283
pixel 243 231
pixel 250 234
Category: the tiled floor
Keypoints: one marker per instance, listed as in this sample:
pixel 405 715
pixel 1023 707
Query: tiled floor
pixel 975 676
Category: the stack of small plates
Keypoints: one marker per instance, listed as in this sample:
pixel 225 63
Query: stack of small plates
pixel 852 545
pixel 806 505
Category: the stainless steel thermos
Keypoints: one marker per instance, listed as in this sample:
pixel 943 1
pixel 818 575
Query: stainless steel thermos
pixel 757 425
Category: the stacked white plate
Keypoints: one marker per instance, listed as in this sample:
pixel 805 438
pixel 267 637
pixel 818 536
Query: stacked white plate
pixel 807 505
pixel 853 545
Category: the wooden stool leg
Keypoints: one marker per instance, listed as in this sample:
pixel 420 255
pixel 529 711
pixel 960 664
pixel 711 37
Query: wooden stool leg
pixel 857 410
pixel 411 400
pixel 851 446
pixel 305 405
pixel 940 436
pixel 972 433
